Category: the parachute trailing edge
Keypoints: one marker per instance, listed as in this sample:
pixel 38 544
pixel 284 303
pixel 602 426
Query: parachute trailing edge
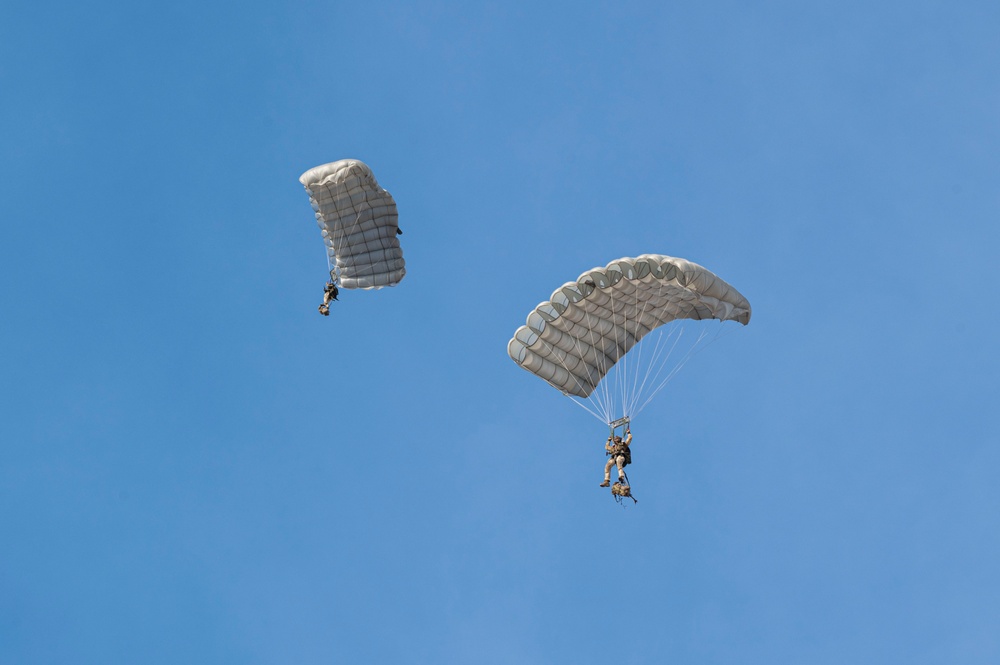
pixel 359 223
pixel 573 339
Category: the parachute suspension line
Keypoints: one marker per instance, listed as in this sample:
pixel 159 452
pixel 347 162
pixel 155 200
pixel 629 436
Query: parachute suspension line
pixel 623 378
pixel 557 353
pixel 617 390
pixel 602 393
pixel 629 367
pixel 638 375
pixel 340 230
pixel 622 362
pixel 695 349
pixel 579 349
pixel 595 409
pixel 661 355
pixel 677 368
pixel 601 357
pixel 589 410
pixel 683 361
pixel 636 388
pixel 635 368
pixel 356 225
pixel 657 360
pixel 328 241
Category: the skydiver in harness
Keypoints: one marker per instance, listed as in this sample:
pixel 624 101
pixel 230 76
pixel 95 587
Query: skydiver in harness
pixel 620 454
pixel 330 292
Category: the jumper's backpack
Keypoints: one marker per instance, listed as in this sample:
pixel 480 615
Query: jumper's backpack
pixel 620 491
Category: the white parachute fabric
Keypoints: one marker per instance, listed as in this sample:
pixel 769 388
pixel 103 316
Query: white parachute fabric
pixel 358 220
pixel 575 338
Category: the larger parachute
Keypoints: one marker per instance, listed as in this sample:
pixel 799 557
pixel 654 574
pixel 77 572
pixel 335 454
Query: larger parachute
pixel 574 339
pixel 359 223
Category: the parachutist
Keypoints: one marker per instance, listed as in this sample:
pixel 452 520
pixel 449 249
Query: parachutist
pixel 620 454
pixel 330 292
pixel 399 231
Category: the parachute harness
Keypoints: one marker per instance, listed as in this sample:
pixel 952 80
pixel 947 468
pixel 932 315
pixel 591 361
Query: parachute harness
pixel 620 490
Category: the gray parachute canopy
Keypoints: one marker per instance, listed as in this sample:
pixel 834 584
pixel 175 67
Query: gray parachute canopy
pixel 359 222
pixel 576 336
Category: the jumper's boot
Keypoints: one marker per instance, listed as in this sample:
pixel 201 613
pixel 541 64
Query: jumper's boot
pixel 324 310
pixel 606 483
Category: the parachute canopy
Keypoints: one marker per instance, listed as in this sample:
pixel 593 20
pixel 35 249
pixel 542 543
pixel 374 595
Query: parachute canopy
pixel 573 339
pixel 359 224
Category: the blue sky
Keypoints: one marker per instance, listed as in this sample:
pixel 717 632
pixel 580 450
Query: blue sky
pixel 197 467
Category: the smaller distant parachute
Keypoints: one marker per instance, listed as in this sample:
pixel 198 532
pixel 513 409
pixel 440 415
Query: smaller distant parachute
pixel 359 223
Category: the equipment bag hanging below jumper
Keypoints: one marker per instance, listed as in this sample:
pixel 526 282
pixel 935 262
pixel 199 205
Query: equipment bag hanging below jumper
pixel 620 491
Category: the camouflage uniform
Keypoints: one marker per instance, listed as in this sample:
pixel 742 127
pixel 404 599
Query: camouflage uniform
pixel 330 292
pixel 621 455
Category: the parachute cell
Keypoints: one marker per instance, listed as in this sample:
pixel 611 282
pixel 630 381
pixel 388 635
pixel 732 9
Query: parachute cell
pixel 573 339
pixel 359 223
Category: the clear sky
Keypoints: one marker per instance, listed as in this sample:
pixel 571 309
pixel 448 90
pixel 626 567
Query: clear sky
pixel 196 467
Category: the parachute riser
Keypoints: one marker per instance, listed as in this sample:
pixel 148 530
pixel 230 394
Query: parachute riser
pixel 622 422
